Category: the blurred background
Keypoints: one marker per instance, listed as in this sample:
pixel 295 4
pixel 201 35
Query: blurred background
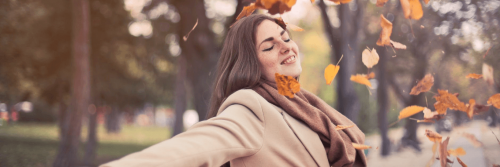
pixel 84 82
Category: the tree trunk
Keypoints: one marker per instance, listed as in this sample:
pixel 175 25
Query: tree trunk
pixel 200 51
pixel 383 101
pixel 68 149
pixel 348 102
pixel 113 123
pixel 62 121
pixel 91 145
pixel 180 96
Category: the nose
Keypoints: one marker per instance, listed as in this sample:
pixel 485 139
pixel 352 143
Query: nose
pixel 285 48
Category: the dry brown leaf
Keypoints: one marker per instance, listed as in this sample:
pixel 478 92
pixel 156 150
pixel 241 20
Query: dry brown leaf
pixel 381 3
pixel 428 114
pixel 495 100
pixel 423 85
pixel 247 10
pixel 461 163
pixel 474 76
pixel 385 34
pixel 476 143
pixel 434 149
pixel 433 136
pixel 361 79
pixel 187 35
pixel 426 120
pixel 409 111
pixel 457 152
pixel 397 45
pixel 275 6
pixel 360 146
pixel 488 74
pixel 330 73
pixel 370 58
pixel 340 127
pixel 446 100
pixel 470 108
pixel 287 85
pixel 481 108
pixel 443 152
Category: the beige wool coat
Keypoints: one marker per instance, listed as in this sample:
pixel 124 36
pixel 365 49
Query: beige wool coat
pixel 248 131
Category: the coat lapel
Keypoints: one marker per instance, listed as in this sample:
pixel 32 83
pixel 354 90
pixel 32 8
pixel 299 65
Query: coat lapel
pixel 308 138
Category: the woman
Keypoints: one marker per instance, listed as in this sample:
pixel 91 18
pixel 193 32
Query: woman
pixel 250 123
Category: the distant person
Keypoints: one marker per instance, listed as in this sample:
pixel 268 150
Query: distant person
pixel 250 123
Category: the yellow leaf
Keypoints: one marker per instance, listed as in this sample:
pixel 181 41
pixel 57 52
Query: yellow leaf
pixel 370 58
pixel 294 27
pixel 423 85
pixel 330 73
pixel 488 74
pixel 340 127
pixel 361 79
pixel 287 85
pixel 275 6
pixel 474 76
pixel 405 6
pixel 416 10
pixel 360 146
pixel 386 32
pixel 495 100
pixel 409 111
pixel 456 152
pixel 340 1
pixel 470 108
pixel 433 136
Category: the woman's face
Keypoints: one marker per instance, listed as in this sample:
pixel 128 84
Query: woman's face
pixel 277 53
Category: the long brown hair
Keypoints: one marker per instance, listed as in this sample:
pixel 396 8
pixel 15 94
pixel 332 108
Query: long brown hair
pixel 238 65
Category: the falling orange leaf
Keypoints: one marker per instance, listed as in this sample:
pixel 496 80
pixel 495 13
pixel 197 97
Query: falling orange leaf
pixel 187 35
pixel 287 85
pixel 381 3
pixel 247 10
pixel 481 108
pixel 275 6
pixel 476 143
pixel 495 100
pixel 446 100
pixel 386 32
pixel 361 79
pixel 397 45
pixel 360 146
pixel 433 136
pixel 443 152
pixel 330 73
pixel 423 85
pixel 294 27
pixel 488 74
pixel 462 163
pixel 370 58
pixel 474 76
pixel 409 111
pixel 456 152
pixel 370 76
pixel 312 1
pixel 340 1
pixel 412 9
pixel 470 108
pixel 340 127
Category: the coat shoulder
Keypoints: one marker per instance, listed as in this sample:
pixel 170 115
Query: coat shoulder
pixel 247 98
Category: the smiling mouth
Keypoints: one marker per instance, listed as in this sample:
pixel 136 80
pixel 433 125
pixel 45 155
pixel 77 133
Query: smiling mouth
pixel 288 60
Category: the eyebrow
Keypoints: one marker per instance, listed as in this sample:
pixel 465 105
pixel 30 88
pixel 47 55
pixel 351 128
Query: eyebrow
pixel 271 38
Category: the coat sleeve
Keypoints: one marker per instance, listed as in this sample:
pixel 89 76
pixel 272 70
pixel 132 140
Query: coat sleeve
pixel 235 132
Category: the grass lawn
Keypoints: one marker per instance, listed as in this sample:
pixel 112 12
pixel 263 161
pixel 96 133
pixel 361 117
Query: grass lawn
pixel 35 145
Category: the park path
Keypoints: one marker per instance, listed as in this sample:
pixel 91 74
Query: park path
pixel 484 156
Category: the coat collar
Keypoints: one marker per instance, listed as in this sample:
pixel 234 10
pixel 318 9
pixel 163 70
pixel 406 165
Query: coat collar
pixel 308 138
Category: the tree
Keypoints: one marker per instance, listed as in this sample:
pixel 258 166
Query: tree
pixel 68 149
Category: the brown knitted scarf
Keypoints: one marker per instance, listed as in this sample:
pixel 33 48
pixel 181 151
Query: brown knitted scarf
pixel 322 119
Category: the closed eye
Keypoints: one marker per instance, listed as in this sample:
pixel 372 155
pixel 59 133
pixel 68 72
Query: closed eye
pixel 268 49
pixel 288 40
